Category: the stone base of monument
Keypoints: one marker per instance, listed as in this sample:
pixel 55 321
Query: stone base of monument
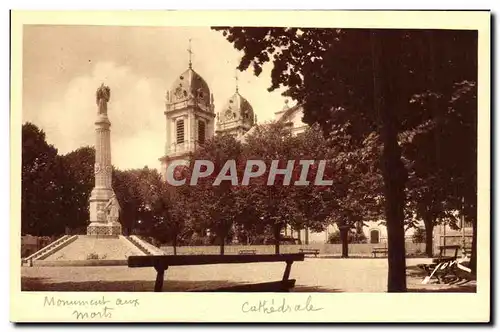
pixel 103 245
pixel 101 229
pixel 92 250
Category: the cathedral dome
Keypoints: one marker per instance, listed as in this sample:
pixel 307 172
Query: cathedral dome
pixel 190 86
pixel 237 109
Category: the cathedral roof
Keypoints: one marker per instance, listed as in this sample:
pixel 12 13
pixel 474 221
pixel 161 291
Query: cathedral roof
pixel 237 108
pixel 190 85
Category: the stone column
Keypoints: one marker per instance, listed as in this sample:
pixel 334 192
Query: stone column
pixel 102 192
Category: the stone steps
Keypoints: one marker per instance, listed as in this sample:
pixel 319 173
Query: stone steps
pixel 95 248
pixel 51 248
pixel 146 247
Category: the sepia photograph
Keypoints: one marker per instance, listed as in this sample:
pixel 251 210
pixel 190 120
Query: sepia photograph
pixel 249 158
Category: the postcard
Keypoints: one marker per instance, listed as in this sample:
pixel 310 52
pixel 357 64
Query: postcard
pixel 250 166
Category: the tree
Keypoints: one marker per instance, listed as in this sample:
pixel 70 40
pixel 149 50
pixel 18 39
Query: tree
pixel 353 237
pixel 78 169
pixel 419 236
pixel 216 205
pixel 358 183
pixel 365 79
pixel 442 181
pixel 165 209
pixel 41 211
pixel 273 205
pixel 315 203
pixel 125 186
pixel 354 196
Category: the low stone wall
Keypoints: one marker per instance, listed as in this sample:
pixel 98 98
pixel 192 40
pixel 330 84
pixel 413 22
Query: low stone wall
pixel 364 249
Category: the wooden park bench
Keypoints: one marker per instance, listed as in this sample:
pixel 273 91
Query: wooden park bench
pixel 379 250
pixel 308 251
pixel 442 257
pixel 452 271
pixel 442 265
pixel 247 252
pixel 468 251
pixel 162 263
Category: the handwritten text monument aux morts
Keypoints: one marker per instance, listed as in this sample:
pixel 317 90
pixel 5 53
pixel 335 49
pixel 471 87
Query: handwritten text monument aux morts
pixel 98 308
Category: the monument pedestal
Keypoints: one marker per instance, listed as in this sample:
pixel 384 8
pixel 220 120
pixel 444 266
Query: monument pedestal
pixel 104 229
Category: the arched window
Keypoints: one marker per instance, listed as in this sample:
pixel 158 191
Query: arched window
pixel 180 131
pixel 201 132
pixel 374 236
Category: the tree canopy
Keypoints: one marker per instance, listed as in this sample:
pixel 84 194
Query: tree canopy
pixel 365 81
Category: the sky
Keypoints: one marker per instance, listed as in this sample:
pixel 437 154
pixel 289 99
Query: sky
pixel 64 65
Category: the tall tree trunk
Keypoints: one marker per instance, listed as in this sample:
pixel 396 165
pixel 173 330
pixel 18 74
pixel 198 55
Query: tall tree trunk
pixel 394 174
pixel 393 170
pixel 344 238
pixel 276 239
pixel 222 242
pixel 429 230
pixel 175 244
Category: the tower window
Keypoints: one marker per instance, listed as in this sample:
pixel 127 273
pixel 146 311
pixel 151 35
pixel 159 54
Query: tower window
pixel 201 132
pixel 180 131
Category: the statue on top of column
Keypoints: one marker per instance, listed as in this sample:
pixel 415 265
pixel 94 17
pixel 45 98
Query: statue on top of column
pixel 103 94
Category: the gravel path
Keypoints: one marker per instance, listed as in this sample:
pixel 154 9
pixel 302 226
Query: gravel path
pixel 312 275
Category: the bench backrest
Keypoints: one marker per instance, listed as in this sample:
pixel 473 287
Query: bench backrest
pixel 442 250
pixel 173 260
pixel 451 246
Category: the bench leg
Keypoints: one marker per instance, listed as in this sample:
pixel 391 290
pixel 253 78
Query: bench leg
pixel 288 268
pixel 160 275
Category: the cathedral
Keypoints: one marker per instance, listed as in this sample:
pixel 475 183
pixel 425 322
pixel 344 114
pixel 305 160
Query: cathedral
pixel 191 119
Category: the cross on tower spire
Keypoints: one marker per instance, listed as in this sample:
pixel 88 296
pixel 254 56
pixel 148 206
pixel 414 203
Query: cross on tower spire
pixel 190 51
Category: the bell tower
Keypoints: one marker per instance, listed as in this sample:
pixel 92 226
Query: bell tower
pixel 237 116
pixel 189 115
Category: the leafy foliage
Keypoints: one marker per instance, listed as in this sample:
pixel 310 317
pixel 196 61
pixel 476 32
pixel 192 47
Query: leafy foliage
pixel 78 181
pixel 418 236
pixel 215 207
pixel 364 81
pixel 353 237
pixel 41 211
